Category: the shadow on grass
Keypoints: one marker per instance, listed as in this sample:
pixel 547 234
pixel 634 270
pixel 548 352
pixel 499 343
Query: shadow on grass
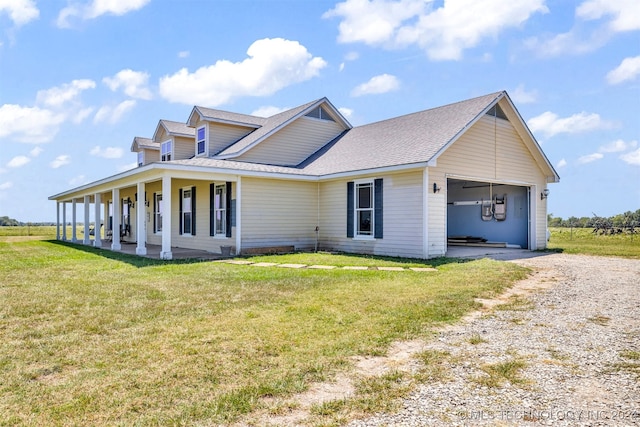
pixel 134 260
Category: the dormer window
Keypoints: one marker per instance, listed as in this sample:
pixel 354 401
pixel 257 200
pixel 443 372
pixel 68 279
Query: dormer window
pixel 201 138
pixel 165 151
pixel 320 113
pixel 140 158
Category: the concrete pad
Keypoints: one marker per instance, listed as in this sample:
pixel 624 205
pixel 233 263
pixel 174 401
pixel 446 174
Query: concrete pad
pixel 423 269
pixel 323 267
pixel 238 262
pixel 355 267
pixel 292 265
pixel 264 264
pixel 391 268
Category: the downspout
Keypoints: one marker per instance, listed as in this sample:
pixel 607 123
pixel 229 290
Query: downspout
pixel 318 219
pixel 238 216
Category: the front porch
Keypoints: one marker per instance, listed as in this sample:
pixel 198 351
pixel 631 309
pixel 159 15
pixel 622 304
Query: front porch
pixel 153 251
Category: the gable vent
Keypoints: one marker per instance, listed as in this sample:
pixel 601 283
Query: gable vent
pixel 497 112
pixel 320 113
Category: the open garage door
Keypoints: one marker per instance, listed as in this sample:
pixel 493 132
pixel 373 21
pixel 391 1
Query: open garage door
pixel 487 214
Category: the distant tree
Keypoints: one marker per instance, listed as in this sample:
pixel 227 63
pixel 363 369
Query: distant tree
pixel 5 221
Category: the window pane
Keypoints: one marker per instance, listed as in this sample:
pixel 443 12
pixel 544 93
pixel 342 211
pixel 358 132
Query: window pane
pixel 364 196
pixel 200 134
pixel 187 223
pixel 364 222
pixel 200 147
pixel 220 224
pixel 186 201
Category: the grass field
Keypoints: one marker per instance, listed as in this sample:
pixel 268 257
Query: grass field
pixel 121 340
pixel 584 241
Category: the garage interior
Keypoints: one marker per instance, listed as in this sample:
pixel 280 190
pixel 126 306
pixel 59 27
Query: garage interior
pixel 487 214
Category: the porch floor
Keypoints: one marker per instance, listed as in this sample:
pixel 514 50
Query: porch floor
pixel 153 251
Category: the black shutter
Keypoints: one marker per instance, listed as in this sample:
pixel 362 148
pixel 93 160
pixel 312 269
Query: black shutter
pixel 193 211
pixel 350 208
pixel 228 209
pixel 212 209
pixel 155 226
pixel 180 211
pixel 377 184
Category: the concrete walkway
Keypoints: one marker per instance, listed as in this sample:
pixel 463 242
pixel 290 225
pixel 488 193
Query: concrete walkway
pixel 322 267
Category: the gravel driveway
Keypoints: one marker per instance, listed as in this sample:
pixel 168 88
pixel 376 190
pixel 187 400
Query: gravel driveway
pixel 576 340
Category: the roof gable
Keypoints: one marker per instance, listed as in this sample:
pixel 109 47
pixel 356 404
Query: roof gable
pixel 212 115
pixel 170 128
pixel 140 142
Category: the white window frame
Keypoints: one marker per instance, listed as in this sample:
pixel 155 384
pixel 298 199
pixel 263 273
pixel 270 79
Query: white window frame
pixel 358 233
pixel 204 140
pixel 220 210
pixel 166 156
pixel 141 158
pixel 158 213
pixel 186 211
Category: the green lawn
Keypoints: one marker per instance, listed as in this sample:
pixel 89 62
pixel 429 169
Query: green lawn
pixel 584 241
pixel 98 338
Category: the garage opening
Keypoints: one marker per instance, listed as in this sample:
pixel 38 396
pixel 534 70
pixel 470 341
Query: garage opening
pixel 487 214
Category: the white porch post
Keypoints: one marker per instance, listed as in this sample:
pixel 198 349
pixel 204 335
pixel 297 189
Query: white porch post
pixel 64 221
pixel 57 220
pixel 74 237
pixel 97 230
pixel 238 216
pixel 141 226
pixel 166 218
pixel 87 236
pixel 115 233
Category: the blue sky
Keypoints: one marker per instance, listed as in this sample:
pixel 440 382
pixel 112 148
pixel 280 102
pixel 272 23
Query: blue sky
pixel 80 79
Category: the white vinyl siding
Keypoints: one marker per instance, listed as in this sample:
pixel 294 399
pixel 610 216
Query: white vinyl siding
pixel 293 144
pixel 402 213
pixel 490 150
pixel 221 136
pixel 279 213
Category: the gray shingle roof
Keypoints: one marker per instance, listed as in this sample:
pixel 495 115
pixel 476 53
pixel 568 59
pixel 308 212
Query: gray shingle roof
pixel 229 117
pixel 145 143
pixel 409 139
pixel 270 125
pixel 178 128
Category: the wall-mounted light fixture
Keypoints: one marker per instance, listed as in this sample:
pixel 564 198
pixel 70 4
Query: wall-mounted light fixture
pixel 544 194
pixel 435 188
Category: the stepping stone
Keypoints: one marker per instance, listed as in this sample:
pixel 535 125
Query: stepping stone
pixel 323 267
pixel 391 268
pixel 264 264
pixel 238 262
pixel 423 269
pixel 355 267
pixel 292 265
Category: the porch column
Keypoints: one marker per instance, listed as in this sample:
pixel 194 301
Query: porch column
pixel 167 228
pixel 115 233
pixel 97 230
pixel 141 225
pixel 239 216
pixel 87 236
pixel 74 237
pixel 64 221
pixel 57 220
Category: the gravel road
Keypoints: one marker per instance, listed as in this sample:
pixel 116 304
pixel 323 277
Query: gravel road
pixel 577 340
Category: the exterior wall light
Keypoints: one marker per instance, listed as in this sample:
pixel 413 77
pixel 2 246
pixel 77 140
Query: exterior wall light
pixel 435 188
pixel 544 194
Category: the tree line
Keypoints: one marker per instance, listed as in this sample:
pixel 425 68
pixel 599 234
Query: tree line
pixel 625 222
pixel 5 221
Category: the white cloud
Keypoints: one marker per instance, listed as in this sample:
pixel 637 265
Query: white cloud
pixel 98 8
pixel 272 64
pixel 20 11
pixel 522 96
pixel 346 112
pixel 35 152
pixel 628 70
pixel 562 163
pixel 79 117
pixel 6 185
pixel 624 14
pixel 114 114
pixel 376 85
pixel 268 111
pixel 184 54
pixel 617 146
pixel 632 158
pixel 550 124
pixel 107 152
pixel 18 162
pixel 444 32
pixel 60 161
pixel 78 180
pixel 58 96
pixel 29 124
pixel 590 158
pixel 133 83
